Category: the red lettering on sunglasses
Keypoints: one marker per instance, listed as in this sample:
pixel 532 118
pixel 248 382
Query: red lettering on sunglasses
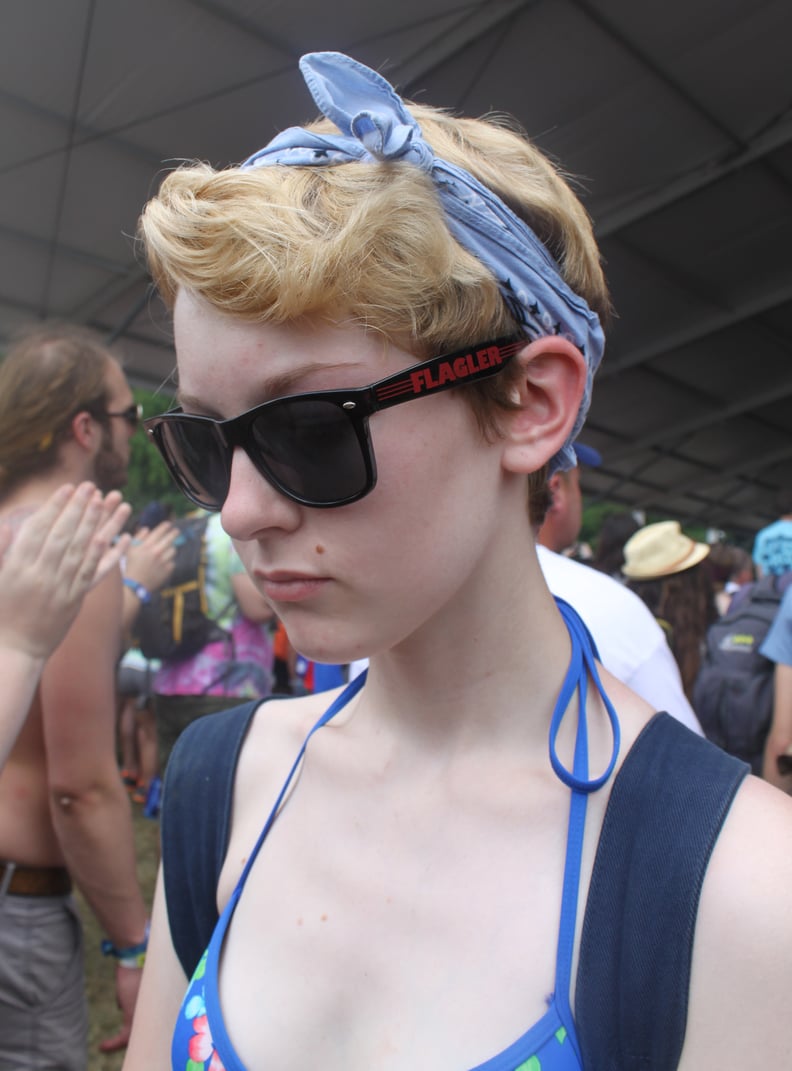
pixel 446 372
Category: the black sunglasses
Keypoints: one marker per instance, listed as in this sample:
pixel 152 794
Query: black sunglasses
pixel 314 448
pixel 133 414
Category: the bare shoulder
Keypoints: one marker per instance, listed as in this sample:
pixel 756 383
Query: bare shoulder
pixel 80 674
pixel 752 862
pixel 97 625
pixel 277 731
pixel 271 746
pixel 742 959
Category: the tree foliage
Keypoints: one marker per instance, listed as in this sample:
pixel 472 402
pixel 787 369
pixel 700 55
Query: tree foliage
pixel 148 479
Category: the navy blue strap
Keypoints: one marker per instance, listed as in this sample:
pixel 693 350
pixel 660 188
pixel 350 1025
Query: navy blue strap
pixel 196 818
pixel 196 808
pixel 666 809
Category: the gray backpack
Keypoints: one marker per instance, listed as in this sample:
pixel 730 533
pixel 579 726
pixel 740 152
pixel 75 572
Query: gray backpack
pixel 733 693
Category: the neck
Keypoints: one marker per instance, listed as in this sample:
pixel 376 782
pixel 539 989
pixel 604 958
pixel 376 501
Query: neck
pixel 485 672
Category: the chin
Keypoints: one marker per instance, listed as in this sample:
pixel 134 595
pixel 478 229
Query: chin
pixel 333 649
pixel 108 477
pixel 337 655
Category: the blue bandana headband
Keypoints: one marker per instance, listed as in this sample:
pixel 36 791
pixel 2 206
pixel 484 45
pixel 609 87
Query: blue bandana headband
pixel 375 125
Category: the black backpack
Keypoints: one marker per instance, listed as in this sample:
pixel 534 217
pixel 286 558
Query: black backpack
pixel 733 693
pixel 175 624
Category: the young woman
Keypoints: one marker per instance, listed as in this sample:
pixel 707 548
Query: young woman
pixel 47 565
pixel 379 364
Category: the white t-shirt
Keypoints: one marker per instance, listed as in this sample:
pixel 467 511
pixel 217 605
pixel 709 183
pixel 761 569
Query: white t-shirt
pixel 631 644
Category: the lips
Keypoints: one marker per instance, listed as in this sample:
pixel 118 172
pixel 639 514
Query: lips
pixel 282 586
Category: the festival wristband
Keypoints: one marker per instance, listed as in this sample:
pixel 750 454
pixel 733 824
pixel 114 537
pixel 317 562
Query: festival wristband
pixel 133 957
pixel 142 592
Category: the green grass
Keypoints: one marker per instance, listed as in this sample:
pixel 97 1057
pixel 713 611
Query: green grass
pixel 104 1017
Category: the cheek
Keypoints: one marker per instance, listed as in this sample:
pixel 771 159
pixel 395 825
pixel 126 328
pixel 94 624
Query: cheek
pixel 401 557
pixel 423 458
pixel 435 499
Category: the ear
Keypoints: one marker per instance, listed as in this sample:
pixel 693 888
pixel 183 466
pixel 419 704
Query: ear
pixel 86 431
pixel 556 489
pixel 548 393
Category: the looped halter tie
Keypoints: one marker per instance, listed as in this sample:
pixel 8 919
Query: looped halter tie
pixel 582 666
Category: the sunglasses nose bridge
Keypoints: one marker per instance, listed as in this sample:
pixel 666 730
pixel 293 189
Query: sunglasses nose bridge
pixel 231 433
pixel 237 434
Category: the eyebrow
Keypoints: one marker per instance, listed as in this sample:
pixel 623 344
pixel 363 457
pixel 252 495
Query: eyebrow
pixel 277 387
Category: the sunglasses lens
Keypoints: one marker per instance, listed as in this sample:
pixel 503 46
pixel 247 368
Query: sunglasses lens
pixel 307 448
pixel 199 462
pixel 311 450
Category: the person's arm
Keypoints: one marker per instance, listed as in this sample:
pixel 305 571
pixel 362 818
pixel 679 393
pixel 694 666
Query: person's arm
pixel 741 977
pixel 779 739
pixel 56 556
pixel 161 992
pixel 149 564
pixel 90 810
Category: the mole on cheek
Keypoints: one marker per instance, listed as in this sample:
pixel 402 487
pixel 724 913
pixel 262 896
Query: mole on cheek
pixel 319 548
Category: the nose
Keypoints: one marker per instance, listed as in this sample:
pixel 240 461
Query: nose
pixel 253 505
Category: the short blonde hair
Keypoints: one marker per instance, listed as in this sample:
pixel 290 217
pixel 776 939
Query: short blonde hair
pixel 367 242
pixel 278 243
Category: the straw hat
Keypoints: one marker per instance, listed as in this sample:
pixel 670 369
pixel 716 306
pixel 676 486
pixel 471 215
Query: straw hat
pixel 660 550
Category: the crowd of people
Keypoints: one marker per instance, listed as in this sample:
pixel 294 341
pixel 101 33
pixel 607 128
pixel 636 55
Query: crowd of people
pixel 483 847
pixel 715 602
pixel 674 656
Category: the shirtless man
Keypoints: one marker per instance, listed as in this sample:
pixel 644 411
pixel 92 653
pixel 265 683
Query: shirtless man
pixel 66 415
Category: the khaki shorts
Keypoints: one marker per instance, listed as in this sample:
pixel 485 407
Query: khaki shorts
pixel 43 1013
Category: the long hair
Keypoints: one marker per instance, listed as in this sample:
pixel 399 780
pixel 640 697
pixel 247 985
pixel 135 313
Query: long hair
pixel 616 529
pixel 49 374
pixel 684 604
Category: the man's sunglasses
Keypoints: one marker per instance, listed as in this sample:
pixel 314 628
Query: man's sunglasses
pixel 133 415
pixel 314 448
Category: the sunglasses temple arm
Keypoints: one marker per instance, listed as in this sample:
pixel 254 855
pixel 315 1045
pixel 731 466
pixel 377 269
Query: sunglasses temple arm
pixel 442 373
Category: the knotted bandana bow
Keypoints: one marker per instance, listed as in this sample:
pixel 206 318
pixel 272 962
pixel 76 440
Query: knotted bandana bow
pixel 375 125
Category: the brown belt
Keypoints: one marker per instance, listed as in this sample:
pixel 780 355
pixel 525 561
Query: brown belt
pixel 34 880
